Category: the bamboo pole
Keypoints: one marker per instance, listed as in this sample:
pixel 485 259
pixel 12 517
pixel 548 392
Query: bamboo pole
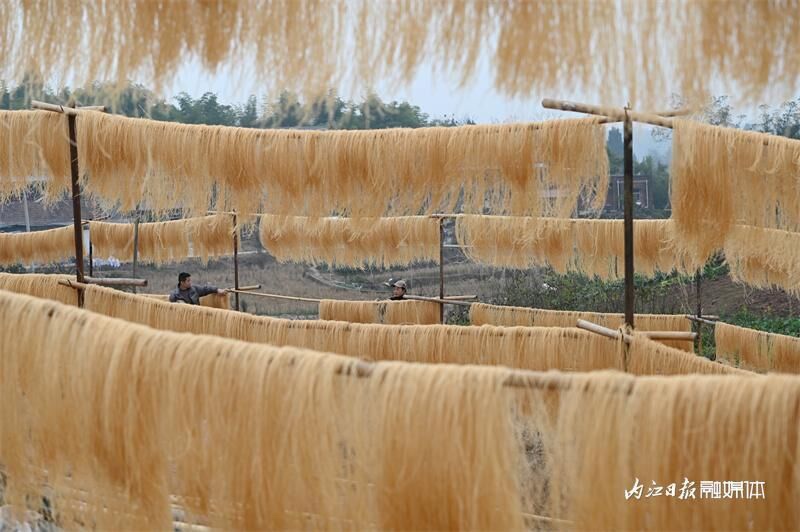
pixel 603 331
pixel 438 300
pixel 315 300
pixel 69 111
pixel 670 335
pixel 246 288
pixel 698 296
pixel 27 218
pixel 441 269
pixel 115 281
pixel 76 201
pixel 615 114
pixel 277 296
pixel 110 281
pixel 135 246
pixel 235 262
pixel 705 320
pixel 653 335
pixel 628 221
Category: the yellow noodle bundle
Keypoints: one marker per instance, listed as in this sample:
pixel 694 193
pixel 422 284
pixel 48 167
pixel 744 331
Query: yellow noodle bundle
pixel 389 312
pixel 211 236
pixel 508 316
pixel 33 144
pixel 535 348
pixel 650 432
pixel 648 357
pixel 723 177
pixel 250 436
pixel 764 258
pixel 49 245
pixel 168 241
pixel 748 48
pixel 525 347
pixel 222 301
pixel 217 424
pixel 757 350
pixel 382 242
pixel 592 247
pixel 357 173
pixel 40 285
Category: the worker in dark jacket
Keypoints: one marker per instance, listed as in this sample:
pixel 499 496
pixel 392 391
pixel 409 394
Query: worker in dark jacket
pixel 398 290
pixel 186 293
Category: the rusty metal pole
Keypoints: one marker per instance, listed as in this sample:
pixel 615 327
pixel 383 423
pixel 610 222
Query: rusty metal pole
pixel 76 201
pixel 235 262
pixel 628 221
pixel 441 269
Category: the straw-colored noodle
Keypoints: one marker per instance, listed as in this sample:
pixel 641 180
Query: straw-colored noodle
pixel 534 348
pixel 40 285
pixel 764 258
pixel 748 48
pixel 592 247
pixel 50 245
pixel 757 350
pixel 383 242
pixel 647 357
pixel 389 312
pixel 33 144
pixel 358 173
pixel 537 348
pixel 111 427
pixel 168 241
pixel 222 301
pixel 507 316
pixel 723 177
pixel 651 429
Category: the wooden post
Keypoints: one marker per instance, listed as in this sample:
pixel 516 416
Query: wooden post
pixel 698 295
pixel 235 262
pixel 441 268
pixel 628 221
pixel 135 245
pixel 27 217
pixel 76 200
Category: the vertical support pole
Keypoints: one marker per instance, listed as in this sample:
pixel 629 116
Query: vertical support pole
pixel 25 210
pixel 135 246
pixel 76 201
pixel 628 222
pixel 27 217
pixel 698 275
pixel 441 269
pixel 91 255
pixel 235 261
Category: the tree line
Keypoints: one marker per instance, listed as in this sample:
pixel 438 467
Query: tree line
pixel 285 111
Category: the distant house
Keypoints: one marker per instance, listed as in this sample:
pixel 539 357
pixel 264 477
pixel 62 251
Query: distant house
pixel 642 193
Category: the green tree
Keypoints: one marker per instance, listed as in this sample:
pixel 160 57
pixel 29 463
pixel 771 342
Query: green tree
pixel 248 113
pixel 615 149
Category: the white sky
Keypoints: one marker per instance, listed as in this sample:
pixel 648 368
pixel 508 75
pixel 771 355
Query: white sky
pixel 435 96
